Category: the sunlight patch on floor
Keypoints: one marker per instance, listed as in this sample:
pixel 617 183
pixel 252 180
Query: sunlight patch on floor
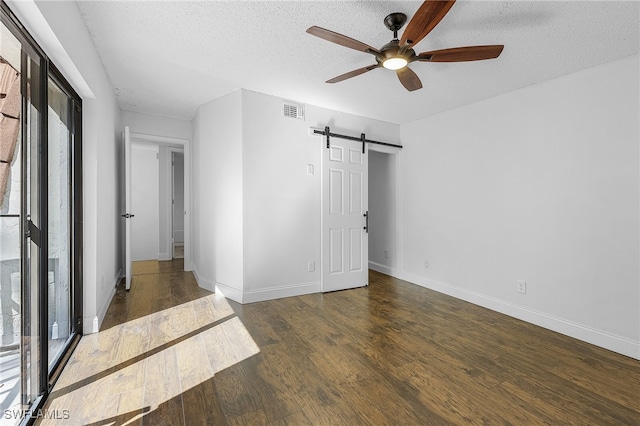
pixel 134 368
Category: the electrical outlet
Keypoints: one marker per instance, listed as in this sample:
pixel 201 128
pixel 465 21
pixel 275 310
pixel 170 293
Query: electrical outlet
pixel 386 254
pixel 426 263
pixel 311 266
pixel 521 286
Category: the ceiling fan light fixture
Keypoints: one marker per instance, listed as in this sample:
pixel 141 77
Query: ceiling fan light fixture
pixel 398 53
pixel 395 63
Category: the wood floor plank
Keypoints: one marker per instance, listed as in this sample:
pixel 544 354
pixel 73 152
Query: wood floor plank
pixel 276 404
pixel 201 407
pixel 162 389
pixel 541 402
pixel 295 419
pixel 238 398
pixel 561 389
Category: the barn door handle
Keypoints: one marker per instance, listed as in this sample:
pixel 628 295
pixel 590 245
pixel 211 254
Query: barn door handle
pixel 366 221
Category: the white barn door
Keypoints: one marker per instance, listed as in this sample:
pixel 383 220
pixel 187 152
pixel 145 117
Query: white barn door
pixel 345 242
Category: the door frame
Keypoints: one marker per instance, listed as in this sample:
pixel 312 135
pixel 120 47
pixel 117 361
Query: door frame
pixel 186 146
pixel 76 212
pixel 393 268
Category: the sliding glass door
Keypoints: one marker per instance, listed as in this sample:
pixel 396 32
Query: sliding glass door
pixel 40 223
pixel 21 115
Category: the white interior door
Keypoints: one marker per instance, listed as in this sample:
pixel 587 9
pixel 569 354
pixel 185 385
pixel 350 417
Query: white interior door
pixel 127 207
pixel 345 242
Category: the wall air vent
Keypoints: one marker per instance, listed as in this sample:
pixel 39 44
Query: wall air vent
pixel 293 111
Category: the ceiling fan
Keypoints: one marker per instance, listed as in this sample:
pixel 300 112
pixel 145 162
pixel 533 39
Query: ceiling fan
pixel 398 54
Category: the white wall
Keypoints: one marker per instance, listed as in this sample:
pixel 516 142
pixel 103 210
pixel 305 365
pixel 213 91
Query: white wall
pixel 150 124
pixel 382 208
pixel 540 185
pixel 217 195
pixel 257 211
pixel 59 29
pixel 145 199
pixel 281 201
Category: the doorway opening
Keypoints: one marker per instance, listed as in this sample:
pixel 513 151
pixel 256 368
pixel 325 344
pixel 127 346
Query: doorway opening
pixel 157 211
pixel 382 212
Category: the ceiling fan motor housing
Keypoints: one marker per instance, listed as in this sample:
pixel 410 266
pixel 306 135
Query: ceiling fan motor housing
pixel 392 50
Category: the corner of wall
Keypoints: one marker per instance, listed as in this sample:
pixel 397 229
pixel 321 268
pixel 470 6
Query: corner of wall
pixel 229 292
pixel 383 269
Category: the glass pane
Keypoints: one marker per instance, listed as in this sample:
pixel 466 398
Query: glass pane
pixel 59 272
pixel 10 215
pixel 32 352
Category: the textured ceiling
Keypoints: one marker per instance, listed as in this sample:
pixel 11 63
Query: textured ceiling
pixel 168 58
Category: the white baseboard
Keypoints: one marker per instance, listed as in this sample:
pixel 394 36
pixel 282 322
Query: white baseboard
pixel 112 292
pixel 202 282
pixel 383 269
pixel 279 292
pixel 92 324
pixel 89 325
pixel 164 256
pixel 188 266
pixel 228 292
pixel 587 334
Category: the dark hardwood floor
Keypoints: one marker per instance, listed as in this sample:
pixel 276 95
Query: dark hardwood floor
pixel 389 354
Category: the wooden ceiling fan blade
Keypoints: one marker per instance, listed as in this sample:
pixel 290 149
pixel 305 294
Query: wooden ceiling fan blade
pixel 353 73
pixel 409 79
pixel 342 40
pixel 424 20
pixel 462 54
